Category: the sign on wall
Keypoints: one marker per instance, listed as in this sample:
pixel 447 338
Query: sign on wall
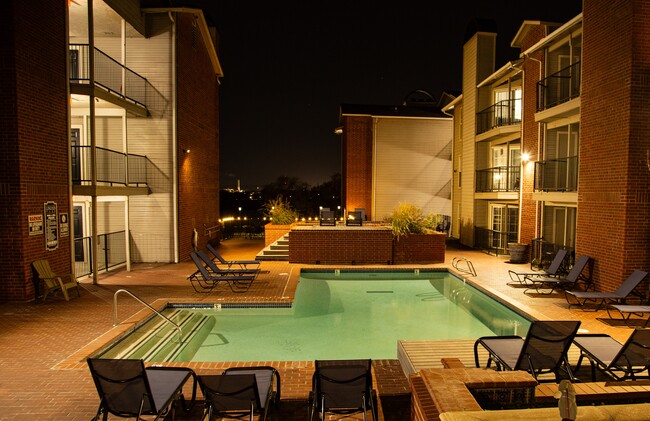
pixel 35 223
pixel 51 226
pixel 64 225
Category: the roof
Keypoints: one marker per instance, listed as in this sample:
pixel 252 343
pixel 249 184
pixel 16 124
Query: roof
pixel 555 35
pixel 425 111
pixel 525 27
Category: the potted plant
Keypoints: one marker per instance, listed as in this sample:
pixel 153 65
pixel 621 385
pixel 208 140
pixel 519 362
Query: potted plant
pixel 282 215
pixel 415 236
pixel 518 252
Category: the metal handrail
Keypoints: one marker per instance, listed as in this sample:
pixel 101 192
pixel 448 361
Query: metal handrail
pixel 457 261
pixel 178 328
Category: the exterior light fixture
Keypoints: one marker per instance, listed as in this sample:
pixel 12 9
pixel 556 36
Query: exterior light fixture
pixel 525 157
pixel 187 151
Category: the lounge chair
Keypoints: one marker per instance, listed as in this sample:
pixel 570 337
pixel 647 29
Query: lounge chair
pixel 327 218
pixel 619 361
pixel 55 282
pixel 354 218
pixel 127 389
pixel 243 264
pixel 554 269
pixel 542 351
pixel 203 280
pixel 212 267
pixel 628 286
pixel 342 387
pixel 571 281
pixel 626 311
pixel 241 391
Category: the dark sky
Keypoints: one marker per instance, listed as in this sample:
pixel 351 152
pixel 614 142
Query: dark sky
pixel 289 65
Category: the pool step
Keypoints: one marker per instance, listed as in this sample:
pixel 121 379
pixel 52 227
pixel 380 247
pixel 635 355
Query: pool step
pixel 158 340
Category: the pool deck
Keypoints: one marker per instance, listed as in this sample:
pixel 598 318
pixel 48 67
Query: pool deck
pixel 43 345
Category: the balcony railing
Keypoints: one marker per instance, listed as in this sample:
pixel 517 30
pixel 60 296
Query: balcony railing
pixel 111 167
pixel 559 87
pixel 494 242
pixel 503 113
pixel 557 175
pixel 498 179
pixel 109 74
pixel 111 249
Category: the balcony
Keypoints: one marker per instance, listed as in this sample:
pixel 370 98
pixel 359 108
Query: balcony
pixel 558 88
pixel 111 77
pixel 503 113
pixel 557 175
pixel 113 168
pixel 498 179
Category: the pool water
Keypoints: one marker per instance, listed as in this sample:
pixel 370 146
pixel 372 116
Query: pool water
pixel 356 315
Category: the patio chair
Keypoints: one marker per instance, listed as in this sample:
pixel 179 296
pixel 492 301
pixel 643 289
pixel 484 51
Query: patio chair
pixel 542 351
pixel 241 391
pixel 202 280
pixel 127 389
pixel 55 282
pixel 212 267
pixel 243 264
pixel 342 387
pixel 621 294
pixel 354 218
pixel 554 269
pixel 327 218
pixel 571 281
pixel 616 360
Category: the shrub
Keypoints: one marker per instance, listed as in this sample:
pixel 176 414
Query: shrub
pixel 279 211
pixel 410 219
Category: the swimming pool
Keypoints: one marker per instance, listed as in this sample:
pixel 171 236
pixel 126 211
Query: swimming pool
pixel 348 314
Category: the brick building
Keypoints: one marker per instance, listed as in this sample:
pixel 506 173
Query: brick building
pixel 549 150
pixel 110 134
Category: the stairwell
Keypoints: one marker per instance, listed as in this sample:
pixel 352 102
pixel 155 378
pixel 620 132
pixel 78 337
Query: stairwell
pixel 279 250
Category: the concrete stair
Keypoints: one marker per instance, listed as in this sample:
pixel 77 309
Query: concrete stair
pixel 278 250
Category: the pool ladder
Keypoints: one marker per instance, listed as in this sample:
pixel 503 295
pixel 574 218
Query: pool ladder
pixel 462 264
pixel 177 327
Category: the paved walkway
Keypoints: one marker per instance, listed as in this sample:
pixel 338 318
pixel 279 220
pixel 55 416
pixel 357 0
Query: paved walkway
pixel 42 376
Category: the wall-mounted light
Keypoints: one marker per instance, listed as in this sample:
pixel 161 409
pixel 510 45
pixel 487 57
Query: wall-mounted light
pixel 186 150
pixel 525 157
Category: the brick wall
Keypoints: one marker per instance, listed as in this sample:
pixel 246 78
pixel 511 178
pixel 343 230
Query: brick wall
pixel 348 245
pixel 34 141
pixel 274 232
pixel 357 163
pixel 531 135
pixel 614 173
pixel 419 248
pixel 198 131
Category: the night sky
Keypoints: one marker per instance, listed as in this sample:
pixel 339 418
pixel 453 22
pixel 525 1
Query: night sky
pixel 289 65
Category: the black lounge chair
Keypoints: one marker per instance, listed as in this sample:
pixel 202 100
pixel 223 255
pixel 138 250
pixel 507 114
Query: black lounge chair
pixel 354 218
pixel 342 387
pixel 213 268
pixel 618 361
pixel 243 264
pixel 542 351
pixel 628 286
pixel 626 311
pixel 127 389
pixel 571 281
pixel 203 280
pixel 327 218
pixel 556 268
pixel 241 391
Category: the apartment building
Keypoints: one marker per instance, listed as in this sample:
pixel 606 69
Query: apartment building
pixel 549 149
pixel 395 154
pixel 112 137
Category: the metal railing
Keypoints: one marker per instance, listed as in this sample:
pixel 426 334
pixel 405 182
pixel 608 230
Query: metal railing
pixel 559 87
pixel 111 166
pixel 557 174
pixel 498 179
pixel 111 248
pixel 503 113
pixel 109 74
pixel 493 242
pixel 543 252
pixel 167 319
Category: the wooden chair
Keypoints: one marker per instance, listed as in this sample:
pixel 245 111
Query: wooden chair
pixel 53 281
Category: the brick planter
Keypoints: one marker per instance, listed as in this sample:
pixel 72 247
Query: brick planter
pixel 273 232
pixel 419 248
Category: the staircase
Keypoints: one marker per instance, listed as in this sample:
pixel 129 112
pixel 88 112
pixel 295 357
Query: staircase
pixel 158 340
pixel 278 250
